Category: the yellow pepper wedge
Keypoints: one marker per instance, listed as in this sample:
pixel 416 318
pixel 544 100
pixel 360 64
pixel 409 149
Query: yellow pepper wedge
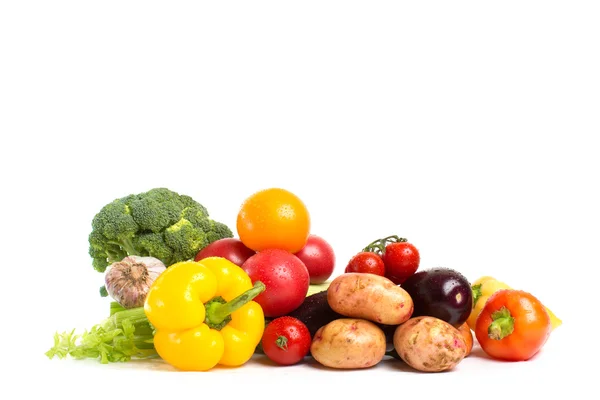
pixel 204 315
pixel 486 286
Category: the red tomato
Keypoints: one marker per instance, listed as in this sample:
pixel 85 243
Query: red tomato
pixel 285 277
pixel 319 258
pixel 367 262
pixel 401 260
pixel 230 248
pixel 286 340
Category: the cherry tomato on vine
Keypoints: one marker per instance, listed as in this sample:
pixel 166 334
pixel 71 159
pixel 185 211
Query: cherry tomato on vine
pixel 366 262
pixel 400 258
pixel 286 340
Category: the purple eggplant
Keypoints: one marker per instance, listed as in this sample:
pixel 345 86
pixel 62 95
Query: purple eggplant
pixel 442 293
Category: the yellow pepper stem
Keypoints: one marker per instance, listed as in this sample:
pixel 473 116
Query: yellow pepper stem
pixel 476 293
pixel 218 311
pixel 503 324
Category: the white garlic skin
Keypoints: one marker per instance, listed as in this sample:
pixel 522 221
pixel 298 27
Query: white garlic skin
pixel 128 281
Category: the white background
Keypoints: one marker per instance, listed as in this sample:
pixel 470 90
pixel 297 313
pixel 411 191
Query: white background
pixel 467 127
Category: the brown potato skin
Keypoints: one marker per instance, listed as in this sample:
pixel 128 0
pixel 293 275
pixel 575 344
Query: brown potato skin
pixel 429 344
pixel 468 336
pixel 371 297
pixel 349 343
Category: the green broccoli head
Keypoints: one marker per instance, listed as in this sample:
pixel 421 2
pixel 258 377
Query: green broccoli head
pixel 158 223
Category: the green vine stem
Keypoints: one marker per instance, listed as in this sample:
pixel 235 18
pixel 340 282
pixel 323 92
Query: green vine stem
pixel 378 246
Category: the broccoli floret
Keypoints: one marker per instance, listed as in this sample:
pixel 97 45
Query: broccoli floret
pixel 188 202
pixel 150 215
pixel 162 195
pixel 101 251
pixel 153 245
pixel 170 204
pixel 158 223
pixel 115 221
pixel 113 228
pixel 196 215
pixel 214 230
pixel 219 231
pixel 185 239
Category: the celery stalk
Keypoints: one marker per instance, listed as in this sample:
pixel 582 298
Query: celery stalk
pixel 125 335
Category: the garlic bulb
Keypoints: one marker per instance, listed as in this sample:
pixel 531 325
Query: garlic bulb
pixel 128 280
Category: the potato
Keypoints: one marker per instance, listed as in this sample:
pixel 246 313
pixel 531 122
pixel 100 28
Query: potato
pixel 468 336
pixel 371 297
pixel 429 344
pixel 347 343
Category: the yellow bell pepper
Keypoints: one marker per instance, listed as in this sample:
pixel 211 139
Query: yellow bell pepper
pixel 204 315
pixel 486 286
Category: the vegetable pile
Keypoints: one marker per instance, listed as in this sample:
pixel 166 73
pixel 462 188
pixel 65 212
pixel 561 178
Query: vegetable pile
pixel 185 290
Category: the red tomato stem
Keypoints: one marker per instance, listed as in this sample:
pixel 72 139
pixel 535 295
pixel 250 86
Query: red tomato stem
pixel 503 324
pixel 281 342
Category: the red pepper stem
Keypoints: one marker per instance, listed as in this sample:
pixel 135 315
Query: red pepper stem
pixel 218 312
pixel 503 324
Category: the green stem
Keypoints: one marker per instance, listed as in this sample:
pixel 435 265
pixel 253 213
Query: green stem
pixel 143 326
pixel 378 246
pixel 476 289
pixel 115 307
pixel 119 252
pixel 281 342
pixel 218 312
pixel 135 315
pixel 503 324
pixel 114 256
pixel 127 245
